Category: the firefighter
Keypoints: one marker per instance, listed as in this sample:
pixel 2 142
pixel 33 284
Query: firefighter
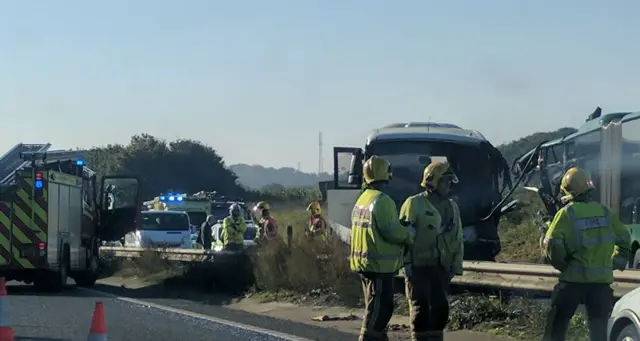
pixel 585 242
pixel 233 229
pixel 377 246
pixel 317 224
pixel 267 226
pixel 205 235
pixel 436 256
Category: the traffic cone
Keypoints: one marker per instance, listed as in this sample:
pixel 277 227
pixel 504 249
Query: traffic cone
pixel 98 331
pixel 6 332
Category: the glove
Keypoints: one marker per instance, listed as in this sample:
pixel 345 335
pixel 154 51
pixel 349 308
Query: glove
pixel 408 270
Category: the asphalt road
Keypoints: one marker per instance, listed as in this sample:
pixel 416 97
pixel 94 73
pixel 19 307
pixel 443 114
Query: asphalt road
pixel 158 313
pixel 67 316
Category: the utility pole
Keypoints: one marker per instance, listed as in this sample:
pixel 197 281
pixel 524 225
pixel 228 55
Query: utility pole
pixel 320 160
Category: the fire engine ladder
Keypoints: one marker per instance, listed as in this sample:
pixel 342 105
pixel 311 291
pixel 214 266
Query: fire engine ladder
pixel 12 160
pixel 53 156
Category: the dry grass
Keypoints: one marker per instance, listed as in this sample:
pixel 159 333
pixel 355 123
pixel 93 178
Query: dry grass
pixel 150 267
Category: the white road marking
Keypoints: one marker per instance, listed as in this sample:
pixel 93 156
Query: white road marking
pixel 233 324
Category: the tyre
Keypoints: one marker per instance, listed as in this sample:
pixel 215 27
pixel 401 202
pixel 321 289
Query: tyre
pixel 89 276
pixel 628 333
pixel 55 281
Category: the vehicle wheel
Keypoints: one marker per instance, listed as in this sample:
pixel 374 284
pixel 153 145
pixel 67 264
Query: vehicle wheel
pixel 55 281
pixel 628 333
pixel 89 276
pixel 636 260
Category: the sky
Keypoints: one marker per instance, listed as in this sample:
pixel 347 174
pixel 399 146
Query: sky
pixel 258 80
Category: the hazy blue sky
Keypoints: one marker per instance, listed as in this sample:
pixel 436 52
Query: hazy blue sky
pixel 257 80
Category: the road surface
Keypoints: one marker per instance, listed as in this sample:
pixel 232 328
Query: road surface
pixel 141 316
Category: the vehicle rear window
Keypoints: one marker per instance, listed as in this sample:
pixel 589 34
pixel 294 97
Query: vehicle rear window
pixel 164 222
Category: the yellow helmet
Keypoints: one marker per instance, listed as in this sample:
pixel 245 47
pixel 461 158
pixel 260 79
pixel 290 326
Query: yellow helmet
pixel 314 208
pixel 376 169
pixel 575 182
pixel 436 171
pixel 263 205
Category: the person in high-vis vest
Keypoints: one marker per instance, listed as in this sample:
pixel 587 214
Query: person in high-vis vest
pixel 267 225
pixel 378 242
pixel 436 255
pixel 233 229
pixel 585 242
pixel 317 223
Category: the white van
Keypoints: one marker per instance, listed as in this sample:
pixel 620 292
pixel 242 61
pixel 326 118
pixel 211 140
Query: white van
pixel 160 229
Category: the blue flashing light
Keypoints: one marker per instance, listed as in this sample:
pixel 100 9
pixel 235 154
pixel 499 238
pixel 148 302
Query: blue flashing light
pixel 180 198
pixel 172 198
pixel 38 184
pixel 163 198
pixel 80 162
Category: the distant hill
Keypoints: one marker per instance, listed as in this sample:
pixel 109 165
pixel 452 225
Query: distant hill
pixel 257 177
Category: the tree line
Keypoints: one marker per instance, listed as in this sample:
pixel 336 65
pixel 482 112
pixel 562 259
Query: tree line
pixel 183 166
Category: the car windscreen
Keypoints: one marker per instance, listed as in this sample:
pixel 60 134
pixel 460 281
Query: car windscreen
pixel 158 221
pixel 474 193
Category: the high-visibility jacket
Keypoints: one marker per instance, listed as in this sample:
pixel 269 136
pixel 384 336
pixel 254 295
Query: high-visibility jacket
pixel 438 238
pixel 377 238
pixel 233 229
pixel 586 242
pixel 318 226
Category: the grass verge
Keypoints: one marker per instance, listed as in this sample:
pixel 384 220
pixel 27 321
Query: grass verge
pixel 315 272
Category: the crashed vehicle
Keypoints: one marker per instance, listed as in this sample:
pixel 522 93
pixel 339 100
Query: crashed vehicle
pixel 605 146
pixel 484 187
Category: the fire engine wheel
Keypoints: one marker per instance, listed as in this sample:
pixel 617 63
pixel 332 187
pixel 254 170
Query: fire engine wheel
pixel 55 281
pixel 89 276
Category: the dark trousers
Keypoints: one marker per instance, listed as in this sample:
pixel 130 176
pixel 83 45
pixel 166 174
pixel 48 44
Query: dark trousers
pixel 378 305
pixel 426 290
pixel 233 247
pixel 598 299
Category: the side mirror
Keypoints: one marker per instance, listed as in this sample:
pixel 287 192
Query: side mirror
pixel 510 207
pixel 355 169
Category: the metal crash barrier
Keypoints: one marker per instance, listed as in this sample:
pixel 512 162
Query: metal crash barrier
pixel 509 276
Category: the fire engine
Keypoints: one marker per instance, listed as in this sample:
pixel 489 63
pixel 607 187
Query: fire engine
pixel 54 211
pixel 482 170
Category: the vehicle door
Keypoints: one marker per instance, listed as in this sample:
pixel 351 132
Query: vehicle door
pixel 119 207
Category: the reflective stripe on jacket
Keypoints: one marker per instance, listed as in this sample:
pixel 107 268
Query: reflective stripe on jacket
pixel 585 241
pixel 233 230
pixel 377 238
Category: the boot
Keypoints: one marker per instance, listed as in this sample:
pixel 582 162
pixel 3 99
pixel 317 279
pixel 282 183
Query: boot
pixel 435 335
pixel 368 335
pixel 420 336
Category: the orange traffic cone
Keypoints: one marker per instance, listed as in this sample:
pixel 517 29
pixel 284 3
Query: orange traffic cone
pixel 6 332
pixel 98 331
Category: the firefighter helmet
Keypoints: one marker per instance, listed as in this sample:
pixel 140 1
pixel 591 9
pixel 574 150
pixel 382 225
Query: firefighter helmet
pixel 376 169
pixel 435 172
pixel 314 208
pixel 575 182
